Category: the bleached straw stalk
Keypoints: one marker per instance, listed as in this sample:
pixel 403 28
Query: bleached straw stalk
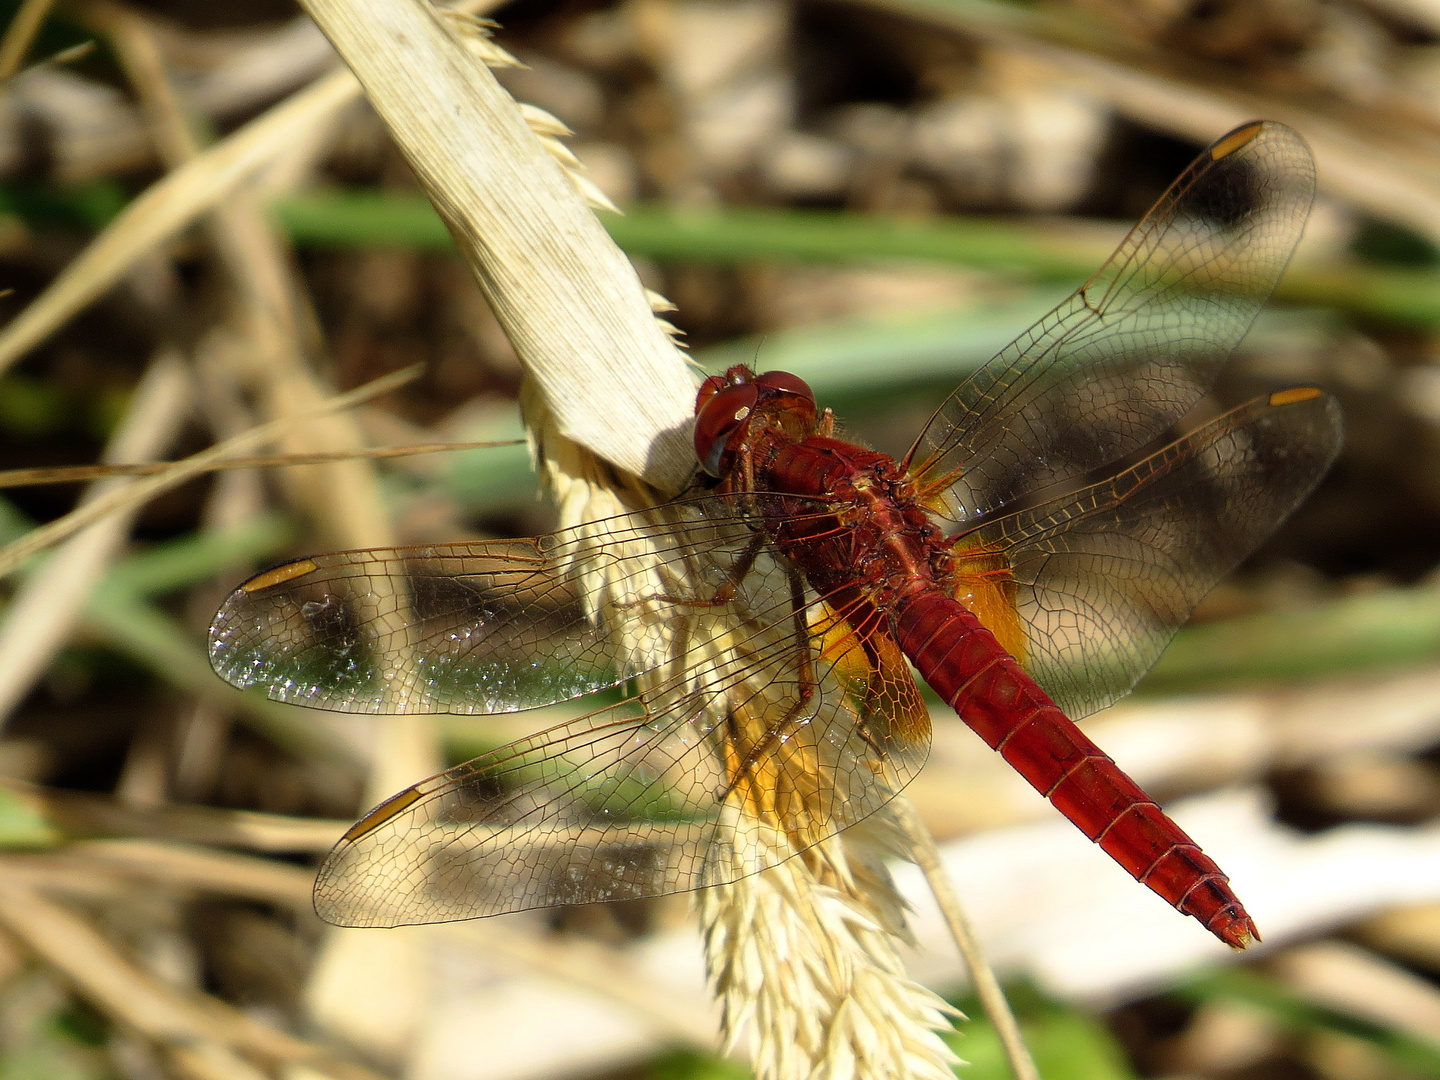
pixel 136 493
pixel 44 609
pixel 566 296
pixel 806 950
pixel 20 35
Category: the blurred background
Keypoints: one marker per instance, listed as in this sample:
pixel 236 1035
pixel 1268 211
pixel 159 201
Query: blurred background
pixel 874 194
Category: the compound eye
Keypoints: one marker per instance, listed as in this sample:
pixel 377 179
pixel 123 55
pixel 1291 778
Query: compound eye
pixel 721 423
pixel 708 389
pixel 786 383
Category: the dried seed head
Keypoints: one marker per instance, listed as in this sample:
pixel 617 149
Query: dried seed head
pixel 542 122
pixel 476 33
pixel 597 199
pixel 803 954
pixel 676 334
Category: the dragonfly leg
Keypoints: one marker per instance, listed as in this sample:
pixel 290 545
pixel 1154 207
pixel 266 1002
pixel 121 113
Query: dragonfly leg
pixel 805 683
pixel 860 624
pixel 722 595
pixel 868 705
pixel 862 723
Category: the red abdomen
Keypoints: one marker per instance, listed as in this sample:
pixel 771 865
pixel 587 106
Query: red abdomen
pixel 966 666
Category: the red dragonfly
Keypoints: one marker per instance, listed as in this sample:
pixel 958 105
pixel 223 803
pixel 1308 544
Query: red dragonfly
pixel 1030 556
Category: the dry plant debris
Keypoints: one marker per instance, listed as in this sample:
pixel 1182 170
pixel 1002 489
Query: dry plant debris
pixel 204 190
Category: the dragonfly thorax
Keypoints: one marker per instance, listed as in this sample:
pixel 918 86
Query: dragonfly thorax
pixel 852 519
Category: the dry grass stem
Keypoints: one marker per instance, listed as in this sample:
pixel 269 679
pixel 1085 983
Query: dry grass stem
pixel 982 976
pixel 272 311
pixel 45 609
pixel 1386 168
pixel 281 335
pixel 171 205
pixel 74 474
pixel 138 52
pixel 203 1037
pixel 183 867
pixel 20 35
pixel 78 815
pixel 589 965
pixel 108 870
pixel 567 297
pixel 184 195
pixel 140 491
pixel 1411 933
pixel 181 198
pixel 1353 980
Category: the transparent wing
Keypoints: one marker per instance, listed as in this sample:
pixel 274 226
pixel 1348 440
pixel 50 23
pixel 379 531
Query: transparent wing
pixel 1136 347
pixel 1101 579
pixel 487 627
pixel 642 798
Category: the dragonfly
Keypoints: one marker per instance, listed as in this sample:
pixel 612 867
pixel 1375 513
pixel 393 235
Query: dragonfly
pixel 754 643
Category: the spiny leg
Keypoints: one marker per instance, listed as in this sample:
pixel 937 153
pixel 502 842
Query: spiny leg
pixel 723 595
pixel 805 682
pixel 866 706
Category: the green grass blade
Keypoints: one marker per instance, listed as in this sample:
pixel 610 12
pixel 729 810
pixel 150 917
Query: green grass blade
pixel 1066 252
pixel 1394 627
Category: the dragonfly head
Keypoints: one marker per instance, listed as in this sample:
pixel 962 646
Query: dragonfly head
pixel 732 409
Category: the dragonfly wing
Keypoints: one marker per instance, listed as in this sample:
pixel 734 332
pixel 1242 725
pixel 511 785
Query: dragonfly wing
pixel 641 798
pixel 577 814
pixel 1102 578
pixel 1136 347
pixel 483 627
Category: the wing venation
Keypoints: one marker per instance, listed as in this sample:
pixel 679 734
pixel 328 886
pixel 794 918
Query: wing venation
pixel 1135 348
pixel 1104 577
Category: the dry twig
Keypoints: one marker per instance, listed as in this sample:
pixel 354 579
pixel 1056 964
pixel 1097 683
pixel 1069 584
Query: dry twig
pixel 202 1039
pixel 139 491
pixel 46 608
pixel 20 35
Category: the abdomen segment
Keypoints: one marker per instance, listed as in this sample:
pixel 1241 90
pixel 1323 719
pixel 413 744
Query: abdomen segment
pixel 986 686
